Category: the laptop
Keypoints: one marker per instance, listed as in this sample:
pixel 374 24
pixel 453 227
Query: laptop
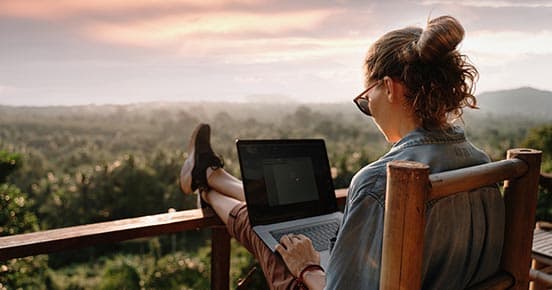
pixel 288 189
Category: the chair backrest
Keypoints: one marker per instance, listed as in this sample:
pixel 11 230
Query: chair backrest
pixel 410 186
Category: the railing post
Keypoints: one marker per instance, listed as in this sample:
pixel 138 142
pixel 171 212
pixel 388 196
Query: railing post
pixel 520 198
pixel 407 189
pixel 220 258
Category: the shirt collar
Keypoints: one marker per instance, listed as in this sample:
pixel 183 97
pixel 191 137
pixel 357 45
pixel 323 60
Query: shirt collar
pixel 420 136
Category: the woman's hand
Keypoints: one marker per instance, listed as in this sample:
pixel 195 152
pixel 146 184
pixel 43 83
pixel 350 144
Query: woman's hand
pixel 297 252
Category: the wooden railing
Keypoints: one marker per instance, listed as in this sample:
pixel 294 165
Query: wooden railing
pixel 62 239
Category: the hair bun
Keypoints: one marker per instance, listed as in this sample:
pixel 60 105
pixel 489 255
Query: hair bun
pixel 440 37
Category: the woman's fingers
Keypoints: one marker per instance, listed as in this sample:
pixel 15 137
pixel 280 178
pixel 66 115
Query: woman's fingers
pixel 288 240
pixel 303 237
pixel 297 252
pixel 280 249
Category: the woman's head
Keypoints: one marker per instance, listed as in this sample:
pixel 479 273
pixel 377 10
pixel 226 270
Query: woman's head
pixel 437 79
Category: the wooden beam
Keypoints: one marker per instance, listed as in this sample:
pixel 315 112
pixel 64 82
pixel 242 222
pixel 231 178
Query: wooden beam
pixel 540 279
pixel 404 222
pixel 61 239
pixel 220 258
pixel 543 279
pixel 520 199
pixel 454 181
pixel 341 195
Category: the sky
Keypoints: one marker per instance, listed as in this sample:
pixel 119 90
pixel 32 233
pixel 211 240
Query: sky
pixel 71 52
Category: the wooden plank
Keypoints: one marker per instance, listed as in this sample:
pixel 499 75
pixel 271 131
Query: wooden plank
pixel 542 242
pixel 520 198
pixel 106 232
pixel 543 280
pixel 49 241
pixel 538 281
pixel 220 258
pixel 404 222
pixel 541 258
pixel 465 179
pixel 341 195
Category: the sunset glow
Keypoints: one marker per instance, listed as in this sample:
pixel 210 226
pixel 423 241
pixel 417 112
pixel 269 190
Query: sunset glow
pixel 181 28
pixel 75 52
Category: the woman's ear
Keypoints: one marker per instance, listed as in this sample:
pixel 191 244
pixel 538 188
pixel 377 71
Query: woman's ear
pixel 389 88
pixel 394 90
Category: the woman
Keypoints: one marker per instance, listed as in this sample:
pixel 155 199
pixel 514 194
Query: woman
pixel 417 83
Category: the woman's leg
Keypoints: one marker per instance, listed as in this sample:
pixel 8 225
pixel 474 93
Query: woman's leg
pixel 234 214
pixel 225 183
pixel 222 204
pixel 224 193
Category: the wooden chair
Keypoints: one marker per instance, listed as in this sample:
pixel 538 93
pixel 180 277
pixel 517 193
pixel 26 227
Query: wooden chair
pixel 410 186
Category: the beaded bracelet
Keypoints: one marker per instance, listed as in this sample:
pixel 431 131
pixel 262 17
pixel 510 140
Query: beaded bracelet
pixel 310 267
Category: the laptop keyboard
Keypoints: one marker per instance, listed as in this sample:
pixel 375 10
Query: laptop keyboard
pixel 319 234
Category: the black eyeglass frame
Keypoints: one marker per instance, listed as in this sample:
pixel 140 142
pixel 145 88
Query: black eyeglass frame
pixel 362 102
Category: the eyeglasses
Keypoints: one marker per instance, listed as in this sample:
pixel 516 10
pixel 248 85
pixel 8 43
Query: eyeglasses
pixel 362 101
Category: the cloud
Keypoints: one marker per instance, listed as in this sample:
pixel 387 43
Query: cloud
pixel 175 29
pixel 243 31
pixel 499 48
pixel 237 36
pixel 5 89
pixel 492 4
pixel 38 9
pixel 293 49
pixel 110 50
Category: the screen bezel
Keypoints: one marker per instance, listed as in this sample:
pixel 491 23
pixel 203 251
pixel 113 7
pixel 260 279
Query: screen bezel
pixel 260 213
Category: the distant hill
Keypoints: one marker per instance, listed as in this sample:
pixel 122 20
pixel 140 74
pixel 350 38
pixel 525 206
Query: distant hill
pixel 522 101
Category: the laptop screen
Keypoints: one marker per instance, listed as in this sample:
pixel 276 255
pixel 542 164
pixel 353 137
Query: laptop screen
pixel 289 180
pixel 285 179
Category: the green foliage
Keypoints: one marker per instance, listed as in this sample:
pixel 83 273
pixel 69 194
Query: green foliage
pixel 179 271
pixel 544 205
pixel 25 273
pixel 241 263
pixel 541 138
pixel 15 218
pixel 120 276
pixel 495 135
pixel 77 277
pixel 124 188
pixel 9 162
pixel 98 163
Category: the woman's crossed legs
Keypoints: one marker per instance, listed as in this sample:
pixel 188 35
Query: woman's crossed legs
pixel 224 193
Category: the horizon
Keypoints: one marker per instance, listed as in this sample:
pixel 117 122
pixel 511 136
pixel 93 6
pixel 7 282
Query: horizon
pixel 237 102
pixel 71 53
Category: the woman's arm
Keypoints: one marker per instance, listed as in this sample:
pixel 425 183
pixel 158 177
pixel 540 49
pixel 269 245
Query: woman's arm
pixel 314 280
pixel 300 256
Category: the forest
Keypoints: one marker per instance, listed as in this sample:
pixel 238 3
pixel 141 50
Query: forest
pixel 64 166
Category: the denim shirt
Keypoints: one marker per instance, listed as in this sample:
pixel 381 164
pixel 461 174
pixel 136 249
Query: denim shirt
pixel 463 233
